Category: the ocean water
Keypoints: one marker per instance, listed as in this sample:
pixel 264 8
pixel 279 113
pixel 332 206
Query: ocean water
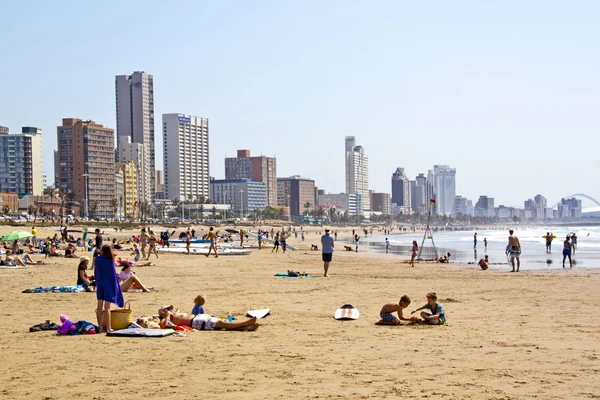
pixel 533 246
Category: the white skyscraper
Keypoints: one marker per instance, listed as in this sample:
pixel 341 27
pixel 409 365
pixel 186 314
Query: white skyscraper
pixel 357 171
pixel 135 119
pixel 444 188
pixel 185 144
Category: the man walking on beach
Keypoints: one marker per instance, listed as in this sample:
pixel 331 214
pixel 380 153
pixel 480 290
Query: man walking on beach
pixel 212 237
pixel 327 244
pixel 514 250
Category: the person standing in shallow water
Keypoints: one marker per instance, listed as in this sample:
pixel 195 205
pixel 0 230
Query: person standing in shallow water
pixel 514 250
pixel 475 240
pixel 567 250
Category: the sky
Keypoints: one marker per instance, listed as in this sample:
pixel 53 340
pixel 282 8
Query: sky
pixel 505 92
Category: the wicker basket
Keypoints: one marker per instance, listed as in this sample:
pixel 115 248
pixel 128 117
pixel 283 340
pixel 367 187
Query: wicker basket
pixel 121 317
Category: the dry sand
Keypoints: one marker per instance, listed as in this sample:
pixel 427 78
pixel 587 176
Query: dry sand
pixel 509 336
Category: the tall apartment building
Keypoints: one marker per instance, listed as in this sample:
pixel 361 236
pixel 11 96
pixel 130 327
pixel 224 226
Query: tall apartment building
pixel 243 195
pixel 129 203
pixel 119 191
pixel 135 119
pixel 296 192
pixel 257 168
pixel 380 202
pixel 357 171
pixel 444 188
pixel 485 207
pixel 401 191
pixel 85 147
pixel 185 146
pixel 21 162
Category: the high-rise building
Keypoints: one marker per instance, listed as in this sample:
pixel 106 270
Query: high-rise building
pixel 135 119
pixel 186 167
pixel 485 207
pixel 398 178
pixel 87 148
pixel 243 195
pixel 258 169
pixel 357 171
pixel 444 188
pixel 462 207
pixel 540 204
pixel 128 203
pixel 296 193
pixel 570 208
pixel 21 162
pixel 380 202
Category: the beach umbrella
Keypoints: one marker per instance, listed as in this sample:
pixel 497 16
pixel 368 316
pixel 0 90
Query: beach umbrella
pixel 16 235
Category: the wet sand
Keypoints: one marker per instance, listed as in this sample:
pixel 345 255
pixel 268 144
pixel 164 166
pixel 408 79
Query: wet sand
pixel 509 336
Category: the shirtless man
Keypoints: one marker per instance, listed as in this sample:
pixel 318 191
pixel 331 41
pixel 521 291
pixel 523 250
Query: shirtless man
pixel 203 322
pixel 484 263
pixel 212 236
pixel 514 250
pixel 549 238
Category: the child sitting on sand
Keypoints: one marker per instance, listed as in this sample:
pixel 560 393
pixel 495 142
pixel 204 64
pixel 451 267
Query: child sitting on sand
pixel 387 318
pixel 199 302
pixel 437 315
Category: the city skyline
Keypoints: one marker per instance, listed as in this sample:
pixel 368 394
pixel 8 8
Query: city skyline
pixel 466 96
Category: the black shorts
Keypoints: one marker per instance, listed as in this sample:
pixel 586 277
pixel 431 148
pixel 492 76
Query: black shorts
pixel 327 257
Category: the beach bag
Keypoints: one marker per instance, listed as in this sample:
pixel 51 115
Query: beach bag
pixel 121 317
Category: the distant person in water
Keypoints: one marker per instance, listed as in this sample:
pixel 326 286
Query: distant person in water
pixel 574 242
pixel 387 246
pixel 475 240
pixel 549 238
pixel 485 242
pixel 567 249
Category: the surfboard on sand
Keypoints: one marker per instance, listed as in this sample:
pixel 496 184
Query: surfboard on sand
pixel 259 314
pixel 346 312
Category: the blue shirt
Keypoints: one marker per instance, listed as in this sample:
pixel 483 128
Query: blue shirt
pixel 327 244
pixel 198 309
pixel 438 309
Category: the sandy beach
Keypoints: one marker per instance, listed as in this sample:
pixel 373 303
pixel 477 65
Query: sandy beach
pixel 531 335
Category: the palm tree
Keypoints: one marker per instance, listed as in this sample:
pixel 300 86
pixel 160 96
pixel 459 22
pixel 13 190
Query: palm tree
pixel 307 206
pixel 51 193
pixel 114 205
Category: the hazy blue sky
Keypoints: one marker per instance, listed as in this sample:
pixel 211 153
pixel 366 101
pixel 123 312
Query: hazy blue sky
pixel 508 92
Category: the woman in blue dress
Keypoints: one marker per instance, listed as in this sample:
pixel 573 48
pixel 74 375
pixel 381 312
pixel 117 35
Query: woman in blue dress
pixel 107 286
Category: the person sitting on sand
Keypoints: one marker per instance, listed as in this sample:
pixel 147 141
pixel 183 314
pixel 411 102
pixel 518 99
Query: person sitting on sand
pixel 82 277
pixel 203 322
pixel 314 247
pixel 387 318
pixel 70 251
pixel 199 302
pixel 484 263
pixel 116 245
pixel 445 259
pixel 437 315
pixel 13 260
pixel 127 279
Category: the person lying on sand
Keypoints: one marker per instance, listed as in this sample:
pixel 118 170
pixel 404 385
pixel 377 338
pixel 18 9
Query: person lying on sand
pixel 202 322
pixel 295 274
pixel 387 318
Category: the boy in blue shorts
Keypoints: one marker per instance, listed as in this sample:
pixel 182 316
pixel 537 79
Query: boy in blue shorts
pixel 387 318
pixel 437 315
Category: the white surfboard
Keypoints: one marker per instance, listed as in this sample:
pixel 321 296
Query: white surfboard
pixel 259 314
pixel 346 312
